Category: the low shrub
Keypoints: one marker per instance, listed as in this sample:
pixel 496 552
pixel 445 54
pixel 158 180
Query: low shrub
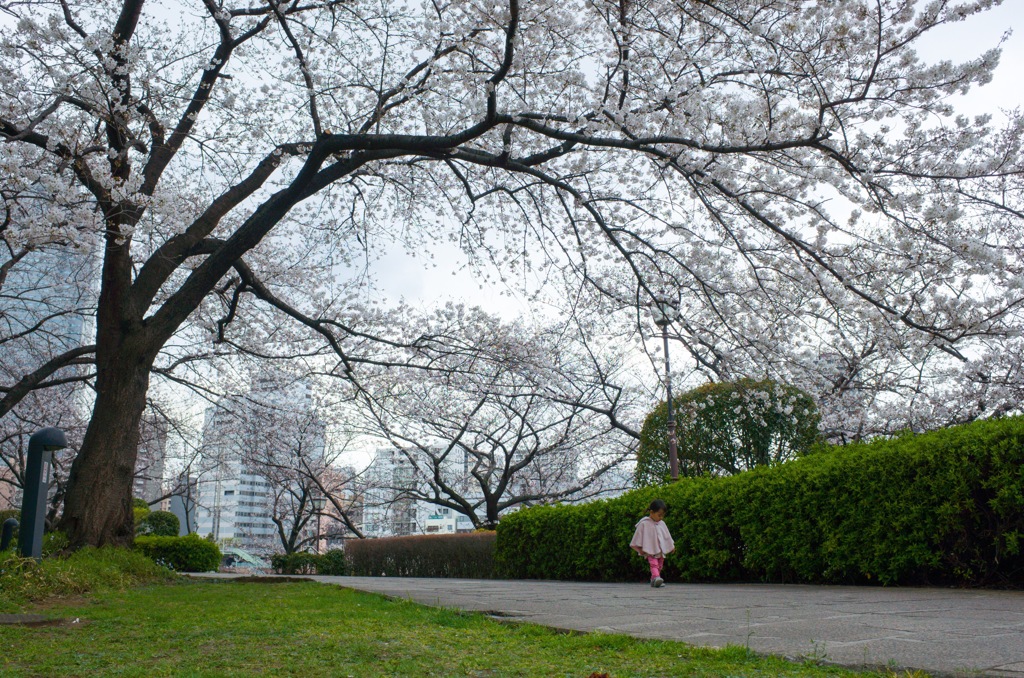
pixel 294 563
pixel 190 553
pixel 140 509
pixel 24 580
pixel 53 542
pixel 945 507
pixel 469 555
pixel 331 563
pixel 158 524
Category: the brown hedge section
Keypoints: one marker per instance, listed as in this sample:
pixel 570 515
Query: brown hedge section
pixel 469 555
pixel 941 508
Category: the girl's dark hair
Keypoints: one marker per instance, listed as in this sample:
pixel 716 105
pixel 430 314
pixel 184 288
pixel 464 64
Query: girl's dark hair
pixel 658 505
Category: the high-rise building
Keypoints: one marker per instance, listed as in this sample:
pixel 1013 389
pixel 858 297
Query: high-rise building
pixel 253 451
pixel 47 301
pixel 149 464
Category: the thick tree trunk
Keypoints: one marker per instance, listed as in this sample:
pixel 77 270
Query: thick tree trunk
pixel 98 505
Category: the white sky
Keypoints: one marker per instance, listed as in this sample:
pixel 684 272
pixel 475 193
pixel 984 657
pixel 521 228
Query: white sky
pixel 971 38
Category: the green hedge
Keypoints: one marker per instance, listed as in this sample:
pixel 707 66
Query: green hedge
pixel 190 553
pixel 469 555
pixel 331 563
pixel 945 507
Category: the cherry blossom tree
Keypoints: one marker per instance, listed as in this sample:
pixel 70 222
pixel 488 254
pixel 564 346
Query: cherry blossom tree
pixel 767 159
pixel 265 446
pixel 286 447
pixel 531 421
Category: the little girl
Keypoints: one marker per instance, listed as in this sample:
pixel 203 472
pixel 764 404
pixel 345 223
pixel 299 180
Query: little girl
pixel 653 541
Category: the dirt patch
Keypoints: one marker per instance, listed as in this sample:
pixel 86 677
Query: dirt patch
pixel 36 620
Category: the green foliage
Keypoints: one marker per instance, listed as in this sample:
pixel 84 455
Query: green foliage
pixel 437 555
pixel 54 543
pixel 158 524
pixel 945 507
pixel 727 428
pixel 140 509
pixel 294 563
pixel 183 554
pixel 24 580
pixel 331 563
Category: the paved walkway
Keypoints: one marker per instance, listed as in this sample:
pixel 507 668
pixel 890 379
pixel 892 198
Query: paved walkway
pixel 943 631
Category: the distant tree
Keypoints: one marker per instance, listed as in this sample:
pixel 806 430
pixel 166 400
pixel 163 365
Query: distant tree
pixel 532 423
pixel 727 428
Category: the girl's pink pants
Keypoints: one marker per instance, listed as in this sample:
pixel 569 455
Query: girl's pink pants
pixel 656 565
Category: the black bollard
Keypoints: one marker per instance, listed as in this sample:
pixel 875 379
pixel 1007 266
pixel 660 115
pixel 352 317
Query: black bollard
pixel 10 525
pixel 33 504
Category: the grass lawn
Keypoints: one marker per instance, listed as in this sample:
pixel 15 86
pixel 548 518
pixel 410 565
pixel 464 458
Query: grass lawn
pixel 223 628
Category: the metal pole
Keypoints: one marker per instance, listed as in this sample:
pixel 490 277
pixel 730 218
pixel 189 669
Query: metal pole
pixel 33 504
pixel 673 455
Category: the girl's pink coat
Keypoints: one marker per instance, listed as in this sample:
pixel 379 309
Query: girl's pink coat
pixel 652 538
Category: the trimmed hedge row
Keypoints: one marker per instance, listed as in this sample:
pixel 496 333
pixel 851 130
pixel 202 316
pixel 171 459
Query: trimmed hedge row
pixel 945 507
pixel 469 555
pixel 331 563
pixel 190 553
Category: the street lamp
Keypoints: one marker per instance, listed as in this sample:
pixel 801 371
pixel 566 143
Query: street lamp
pixel 319 501
pixel 664 312
pixel 41 446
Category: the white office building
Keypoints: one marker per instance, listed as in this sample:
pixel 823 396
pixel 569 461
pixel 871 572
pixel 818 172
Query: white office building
pixel 149 463
pixel 246 442
pixel 389 511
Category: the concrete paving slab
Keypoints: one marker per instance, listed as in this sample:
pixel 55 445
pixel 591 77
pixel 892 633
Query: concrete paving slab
pixel 947 632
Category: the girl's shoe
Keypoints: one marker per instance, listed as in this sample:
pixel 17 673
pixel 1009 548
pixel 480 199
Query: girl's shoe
pixel 657 582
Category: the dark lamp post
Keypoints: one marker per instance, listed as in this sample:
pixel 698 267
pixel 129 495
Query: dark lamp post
pixel 665 312
pixel 319 502
pixel 41 446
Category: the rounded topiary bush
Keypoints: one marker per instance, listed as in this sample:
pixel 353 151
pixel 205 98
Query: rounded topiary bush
pixel 332 563
pixel 158 524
